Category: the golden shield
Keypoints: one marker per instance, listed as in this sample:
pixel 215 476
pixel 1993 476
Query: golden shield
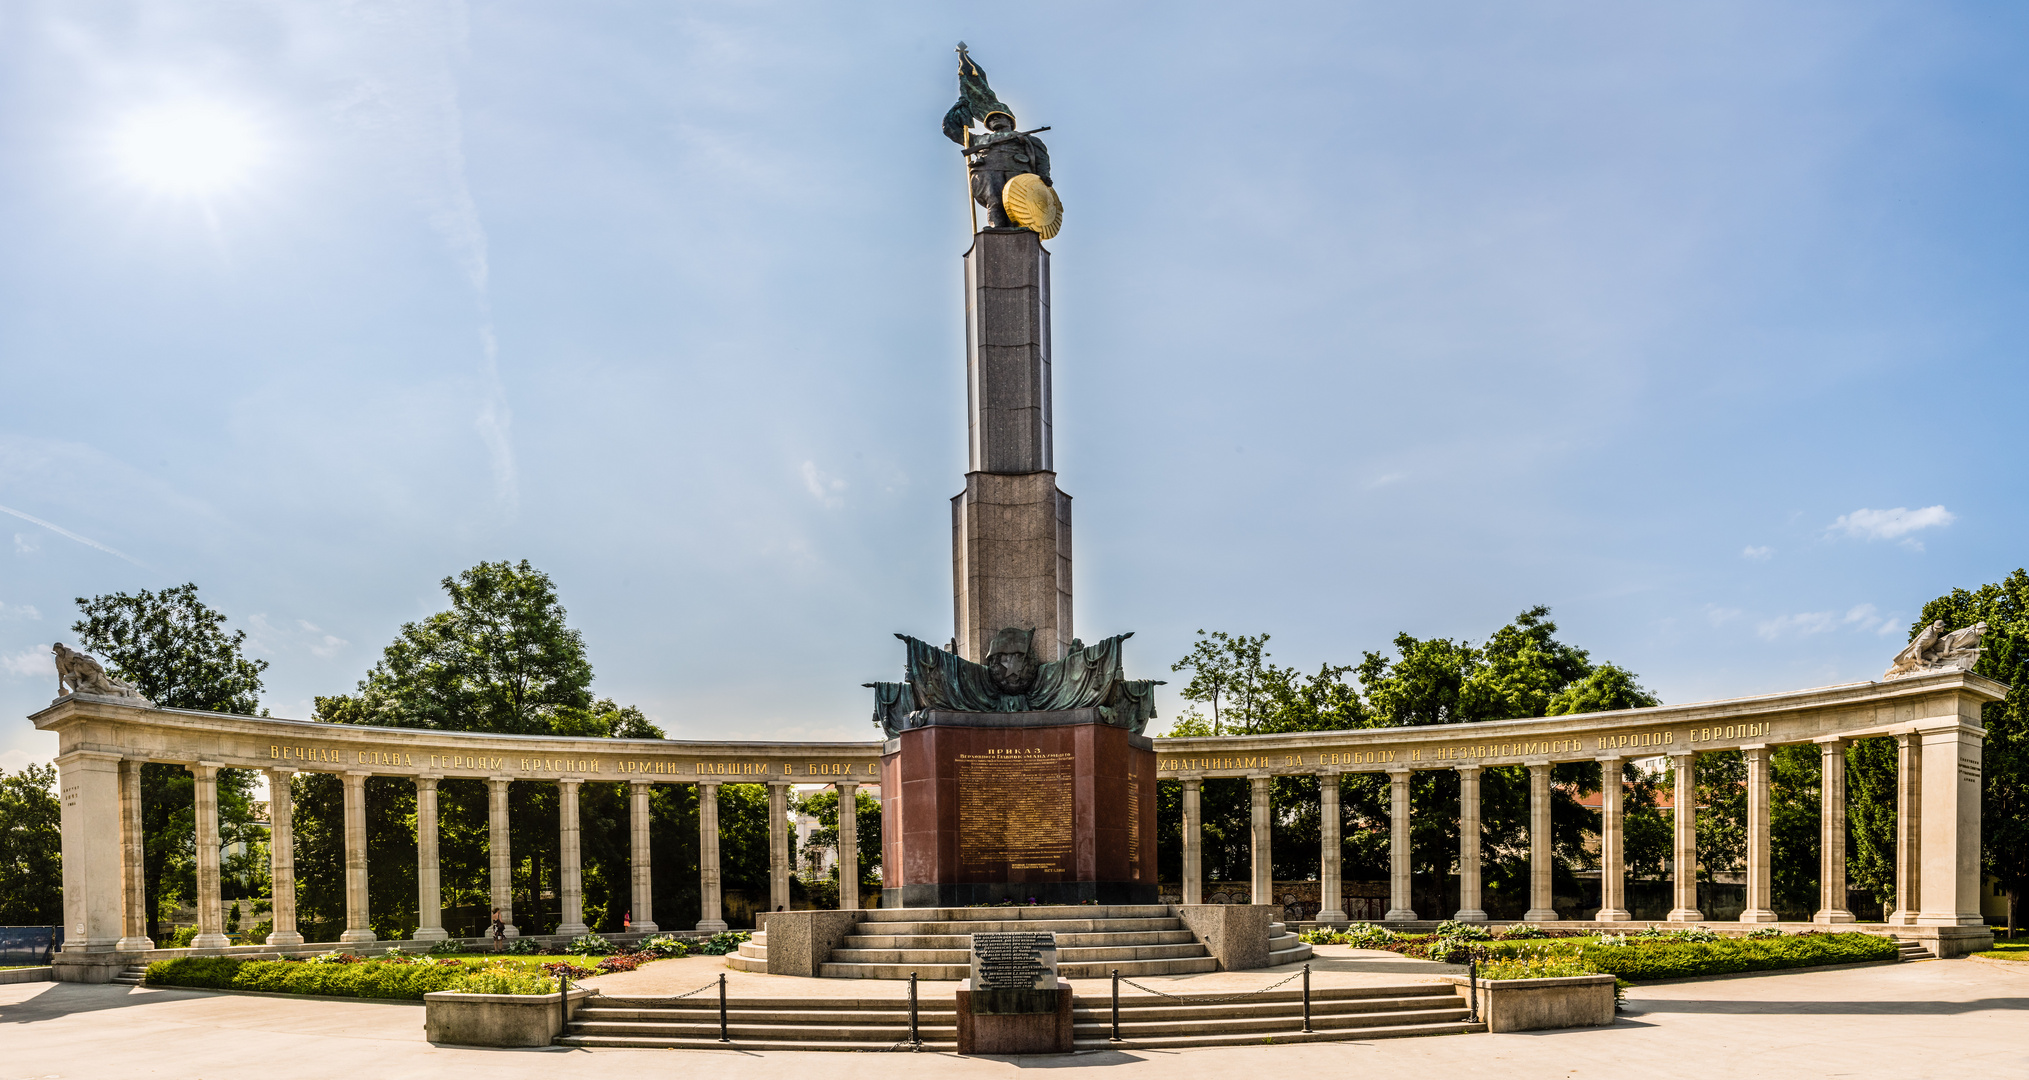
pixel 1033 205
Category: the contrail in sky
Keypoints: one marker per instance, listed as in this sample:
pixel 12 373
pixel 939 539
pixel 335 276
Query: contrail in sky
pixel 85 540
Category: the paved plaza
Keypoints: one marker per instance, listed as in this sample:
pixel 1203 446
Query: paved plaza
pixel 1946 1018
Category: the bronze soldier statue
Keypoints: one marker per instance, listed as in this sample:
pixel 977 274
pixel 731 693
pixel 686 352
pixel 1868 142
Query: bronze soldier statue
pixel 999 154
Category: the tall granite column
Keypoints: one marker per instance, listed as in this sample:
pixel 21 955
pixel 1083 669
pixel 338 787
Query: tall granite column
pixel 1469 909
pixel 1832 833
pixel 499 851
pixel 1759 877
pixel 358 926
pixel 711 903
pixel 210 910
pixel 570 875
pixel 1262 858
pixel 1401 905
pixel 1331 879
pixel 1953 760
pixel 1908 829
pixel 1684 850
pixel 848 846
pixel 1011 527
pixel 134 862
pixel 429 875
pixel 282 856
pixel 1194 845
pixel 640 870
pixel 1612 843
pixel 1542 901
pixel 778 846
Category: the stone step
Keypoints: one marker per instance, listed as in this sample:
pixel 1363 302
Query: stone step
pixel 1131 968
pixel 756 964
pixel 657 1043
pixel 1100 1011
pixel 1912 950
pixel 963 942
pixel 1274 1024
pixel 1064 956
pixel 961 928
pixel 947 1016
pixel 1046 912
pixel 830 1030
pixel 1099 1040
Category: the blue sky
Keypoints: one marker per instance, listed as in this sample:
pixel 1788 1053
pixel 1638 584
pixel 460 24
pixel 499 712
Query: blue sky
pixel 1701 324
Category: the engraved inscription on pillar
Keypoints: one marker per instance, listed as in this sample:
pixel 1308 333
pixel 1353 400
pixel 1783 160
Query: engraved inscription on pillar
pixel 1014 815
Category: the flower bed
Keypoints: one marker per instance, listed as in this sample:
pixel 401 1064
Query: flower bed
pixel 352 977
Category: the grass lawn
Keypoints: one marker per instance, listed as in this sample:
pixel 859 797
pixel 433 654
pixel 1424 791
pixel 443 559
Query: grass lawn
pixel 2004 949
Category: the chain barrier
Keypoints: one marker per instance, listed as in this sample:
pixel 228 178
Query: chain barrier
pixel 1211 1001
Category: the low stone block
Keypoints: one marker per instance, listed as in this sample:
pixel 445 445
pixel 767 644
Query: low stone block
pixel 1541 1004
pixel 27 974
pixel 496 1019
pixel 799 942
pixel 1235 934
pixel 1014 1021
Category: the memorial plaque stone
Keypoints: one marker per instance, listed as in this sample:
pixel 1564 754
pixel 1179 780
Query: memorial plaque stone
pixel 1023 961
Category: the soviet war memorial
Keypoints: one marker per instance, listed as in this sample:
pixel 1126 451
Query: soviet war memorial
pixel 1368 322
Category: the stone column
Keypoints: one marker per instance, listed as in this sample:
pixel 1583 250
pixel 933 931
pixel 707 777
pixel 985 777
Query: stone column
pixel 778 847
pixel 570 876
pixel 641 870
pixel 1612 843
pixel 1951 827
pixel 204 808
pixel 1469 909
pixel 358 927
pixel 1542 902
pixel 89 781
pixel 848 846
pixel 1400 902
pixel 282 856
pixel 133 861
pixel 499 851
pixel 1330 879
pixel 1684 855
pixel 1758 870
pixel 1194 845
pixel 1908 828
pixel 1832 833
pixel 1262 861
pixel 711 905
pixel 429 875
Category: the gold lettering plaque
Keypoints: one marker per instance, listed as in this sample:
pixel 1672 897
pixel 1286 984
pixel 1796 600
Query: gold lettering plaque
pixel 1014 815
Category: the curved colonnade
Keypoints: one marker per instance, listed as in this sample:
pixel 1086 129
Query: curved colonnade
pixel 1934 719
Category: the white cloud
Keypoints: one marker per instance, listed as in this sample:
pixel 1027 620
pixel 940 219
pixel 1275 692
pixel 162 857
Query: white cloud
pixel 266 637
pixel 321 643
pixel 18 611
pixel 1865 524
pixel 17 760
pixel 1860 618
pixel 824 487
pixel 1758 554
pixel 29 662
pixel 1720 616
pixel 25 544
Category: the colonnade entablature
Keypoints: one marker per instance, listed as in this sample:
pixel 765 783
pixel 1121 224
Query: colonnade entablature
pixel 1935 720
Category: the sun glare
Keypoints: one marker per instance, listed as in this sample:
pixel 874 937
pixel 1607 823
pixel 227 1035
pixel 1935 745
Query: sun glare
pixel 188 149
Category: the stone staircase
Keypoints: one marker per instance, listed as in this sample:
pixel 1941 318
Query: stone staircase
pixel 1912 950
pixel 1146 1021
pixel 131 975
pixel 1092 941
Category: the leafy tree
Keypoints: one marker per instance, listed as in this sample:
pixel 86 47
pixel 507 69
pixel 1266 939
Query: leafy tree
pixel 1870 818
pixel 31 848
pixel 2004 657
pixel 1225 667
pixel 177 652
pixel 503 658
pixel 823 805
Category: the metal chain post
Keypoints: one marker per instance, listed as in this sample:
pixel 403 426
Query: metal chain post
pixel 1472 986
pixel 1306 997
pixel 1116 1005
pixel 723 1036
pixel 915 1038
pixel 564 1001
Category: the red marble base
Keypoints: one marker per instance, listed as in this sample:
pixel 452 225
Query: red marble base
pixel 1058 814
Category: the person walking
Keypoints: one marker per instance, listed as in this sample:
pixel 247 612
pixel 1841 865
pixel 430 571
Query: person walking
pixel 499 931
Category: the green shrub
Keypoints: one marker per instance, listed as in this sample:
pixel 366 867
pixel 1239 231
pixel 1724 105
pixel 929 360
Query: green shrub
pixel 1463 931
pixel 522 946
pixel 1521 931
pixel 1533 966
pixel 507 980
pixel 1765 932
pixel 589 945
pixel 180 937
pixel 1646 957
pixel 662 945
pixel 447 947
pixel 363 979
pixel 723 942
